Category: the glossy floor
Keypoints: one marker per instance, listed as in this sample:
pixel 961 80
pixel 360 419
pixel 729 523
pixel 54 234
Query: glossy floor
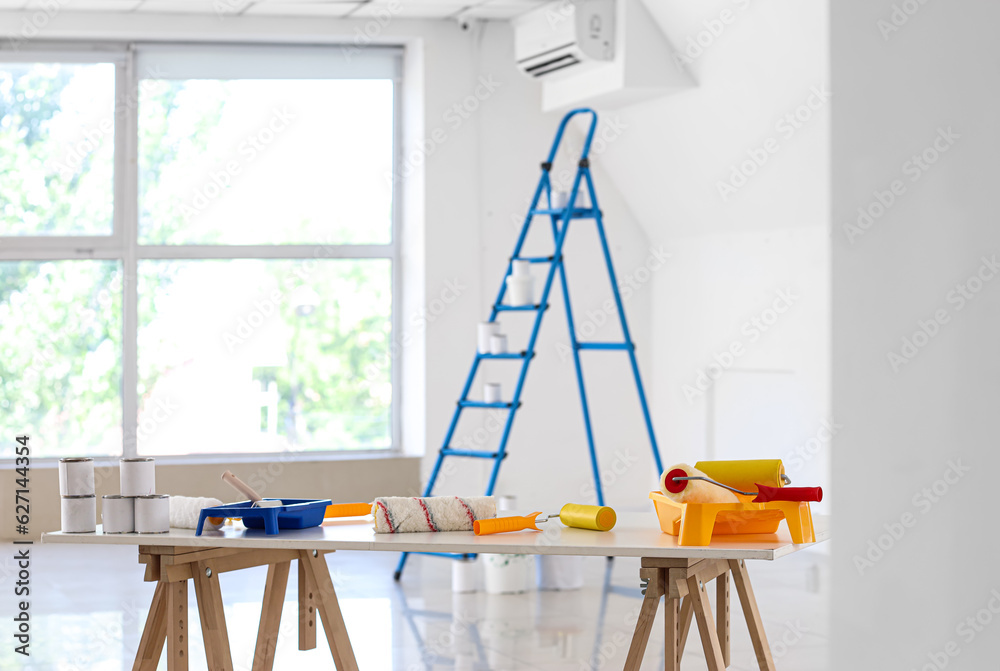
pixel 89 604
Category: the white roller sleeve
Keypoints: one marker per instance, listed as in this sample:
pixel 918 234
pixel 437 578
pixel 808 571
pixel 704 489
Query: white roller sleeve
pixel 697 491
pixel 401 514
pixel 185 510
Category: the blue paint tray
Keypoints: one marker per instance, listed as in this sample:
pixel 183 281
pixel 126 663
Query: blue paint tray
pixel 292 514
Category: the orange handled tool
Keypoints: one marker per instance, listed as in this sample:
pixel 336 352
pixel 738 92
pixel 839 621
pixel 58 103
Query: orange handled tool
pixel 348 510
pixel 500 525
pixel 579 516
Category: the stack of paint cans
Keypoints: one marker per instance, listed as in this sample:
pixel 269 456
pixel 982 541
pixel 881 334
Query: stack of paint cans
pixel 79 501
pixel 138 509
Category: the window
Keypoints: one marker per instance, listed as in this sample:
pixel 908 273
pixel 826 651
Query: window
pixel 198 250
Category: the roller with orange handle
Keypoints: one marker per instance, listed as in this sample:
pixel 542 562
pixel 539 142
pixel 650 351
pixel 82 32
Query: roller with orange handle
pixel 579 516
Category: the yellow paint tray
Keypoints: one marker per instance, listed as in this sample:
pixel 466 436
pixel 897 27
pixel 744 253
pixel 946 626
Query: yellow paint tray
pixel 696 523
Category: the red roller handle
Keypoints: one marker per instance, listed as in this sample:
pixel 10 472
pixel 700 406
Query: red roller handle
pixel 766 494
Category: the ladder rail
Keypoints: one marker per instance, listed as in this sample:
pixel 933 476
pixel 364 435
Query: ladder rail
pixel 562 129
pixel 583 178
pixel 647 418
pixel 584 404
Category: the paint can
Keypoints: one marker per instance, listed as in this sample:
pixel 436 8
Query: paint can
pixel 152 514
pixel 138 476
pixel 485 331
pixel 118 514
pixel 76 476
pixel 78 514
pixel 492 393
pixel 498 344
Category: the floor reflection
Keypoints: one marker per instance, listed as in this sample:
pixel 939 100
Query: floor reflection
pixel 89 604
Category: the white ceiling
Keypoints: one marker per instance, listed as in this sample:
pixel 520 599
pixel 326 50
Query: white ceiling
pixel 432 9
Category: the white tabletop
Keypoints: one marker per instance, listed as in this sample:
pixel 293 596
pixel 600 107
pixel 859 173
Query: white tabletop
pixel 635 535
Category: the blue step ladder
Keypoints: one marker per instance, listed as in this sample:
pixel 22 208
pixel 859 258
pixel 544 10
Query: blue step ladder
pixel 559 220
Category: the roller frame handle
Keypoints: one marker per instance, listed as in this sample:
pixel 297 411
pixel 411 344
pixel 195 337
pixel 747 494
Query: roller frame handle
pixel 348 510
pixel 499 525
pixel 766 494
pixel 241 487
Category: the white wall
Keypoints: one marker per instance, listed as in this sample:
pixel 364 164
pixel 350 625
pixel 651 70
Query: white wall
pixel 735 247
pixel 547 463
pixel 470 172
pixel 905 429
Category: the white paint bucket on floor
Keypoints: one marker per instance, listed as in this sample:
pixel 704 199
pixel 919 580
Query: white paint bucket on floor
pixel 506 574
pixel 559 572
pixel 464 575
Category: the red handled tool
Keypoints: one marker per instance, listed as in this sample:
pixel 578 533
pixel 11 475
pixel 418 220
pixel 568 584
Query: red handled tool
pixel 677 480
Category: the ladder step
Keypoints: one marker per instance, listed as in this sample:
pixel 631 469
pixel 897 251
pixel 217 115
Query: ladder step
pixel 605 345
pixel 505 355
pixel 484 404
pixel 519 308
pixel 578 212
pixel 478 454
pixel 534 259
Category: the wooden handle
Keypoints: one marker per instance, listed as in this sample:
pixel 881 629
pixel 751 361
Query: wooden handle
pixel 348 510
pixel 502 524
pixel 240 486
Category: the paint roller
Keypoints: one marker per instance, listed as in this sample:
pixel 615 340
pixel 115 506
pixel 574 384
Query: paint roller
pixel 405 514
pixel 685 484
pixel 576 515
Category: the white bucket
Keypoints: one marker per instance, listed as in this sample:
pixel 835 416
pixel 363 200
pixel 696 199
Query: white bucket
pixel 484 332
pixel 506 574
pixel 520 290
pixel 464 575
pixel 559 572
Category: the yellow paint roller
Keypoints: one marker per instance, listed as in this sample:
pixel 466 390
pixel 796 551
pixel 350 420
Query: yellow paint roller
pixel 719 479
pixel 576 515
pixel 746 474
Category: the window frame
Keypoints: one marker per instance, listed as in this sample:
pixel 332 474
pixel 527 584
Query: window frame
pixel 122 243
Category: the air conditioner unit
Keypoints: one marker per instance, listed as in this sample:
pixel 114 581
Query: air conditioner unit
pixel 565 37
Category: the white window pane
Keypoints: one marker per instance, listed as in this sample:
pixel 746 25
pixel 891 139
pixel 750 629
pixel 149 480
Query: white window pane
pixel 57 132
pixel 263 161
pixel 60 357
pixel 264 355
